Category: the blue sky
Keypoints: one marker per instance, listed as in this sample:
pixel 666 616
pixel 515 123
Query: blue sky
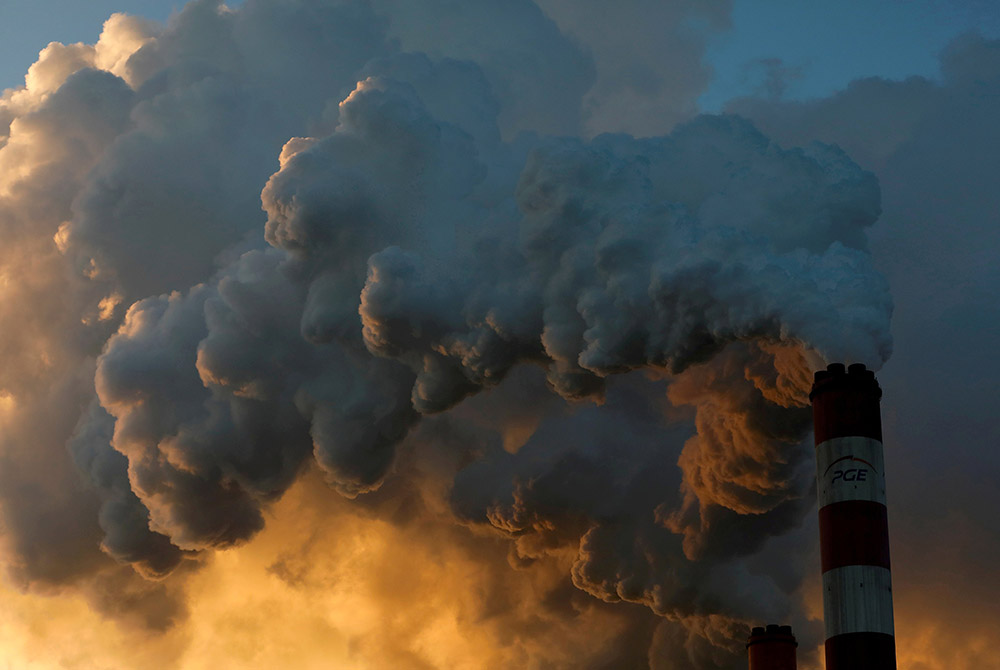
pixel 814 47
pixel 26 26
pixel 824 45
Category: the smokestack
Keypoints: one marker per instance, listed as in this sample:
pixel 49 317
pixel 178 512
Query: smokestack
pixel 853 524
pixel 772 648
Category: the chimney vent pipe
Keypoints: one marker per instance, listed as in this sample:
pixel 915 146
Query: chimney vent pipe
pixel 772 648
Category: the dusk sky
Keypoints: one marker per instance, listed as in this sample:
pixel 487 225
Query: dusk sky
pixel 435 334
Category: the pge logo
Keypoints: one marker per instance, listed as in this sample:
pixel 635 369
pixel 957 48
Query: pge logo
pixel 850 474
pixel 853 475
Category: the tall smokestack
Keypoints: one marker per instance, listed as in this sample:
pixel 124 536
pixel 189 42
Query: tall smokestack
pixel 853 524
pixel 772 648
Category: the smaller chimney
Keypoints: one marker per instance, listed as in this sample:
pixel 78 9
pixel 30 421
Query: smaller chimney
pixel 772 648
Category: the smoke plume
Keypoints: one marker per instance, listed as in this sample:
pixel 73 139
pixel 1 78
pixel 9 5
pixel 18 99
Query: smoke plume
pixel 582 358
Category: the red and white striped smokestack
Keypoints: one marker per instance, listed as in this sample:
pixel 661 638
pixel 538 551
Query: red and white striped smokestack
pixel 853 524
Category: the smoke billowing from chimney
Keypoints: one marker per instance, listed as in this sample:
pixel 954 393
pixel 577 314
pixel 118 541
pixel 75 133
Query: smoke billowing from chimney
pixel 420 256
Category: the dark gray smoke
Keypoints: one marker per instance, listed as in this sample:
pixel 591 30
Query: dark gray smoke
pixel 437 238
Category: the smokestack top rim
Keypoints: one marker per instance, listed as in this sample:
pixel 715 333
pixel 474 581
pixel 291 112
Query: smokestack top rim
pixel 838 376
pixel 773 633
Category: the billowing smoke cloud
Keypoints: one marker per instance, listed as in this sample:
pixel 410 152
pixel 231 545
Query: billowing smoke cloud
pixel 438 260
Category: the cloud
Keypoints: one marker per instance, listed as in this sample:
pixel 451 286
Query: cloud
pixel 536 72
pixel 648 57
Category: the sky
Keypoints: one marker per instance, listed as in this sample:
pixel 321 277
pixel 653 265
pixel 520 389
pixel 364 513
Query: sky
pixel 811 49
pixel 819 47
pixel 479 335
